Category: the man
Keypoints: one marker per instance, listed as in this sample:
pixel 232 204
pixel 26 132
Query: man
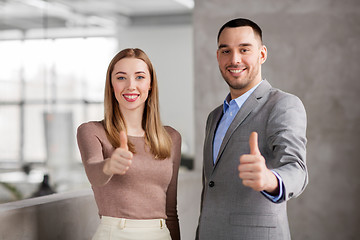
pixel 255 146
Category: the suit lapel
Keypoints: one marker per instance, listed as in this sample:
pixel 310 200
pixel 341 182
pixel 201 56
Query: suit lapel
pixel 250 104
pixel 209 142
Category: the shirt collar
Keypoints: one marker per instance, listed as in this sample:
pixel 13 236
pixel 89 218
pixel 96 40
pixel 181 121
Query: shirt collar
pixel 240 100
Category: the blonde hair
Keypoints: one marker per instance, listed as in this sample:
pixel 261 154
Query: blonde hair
pixel 156 137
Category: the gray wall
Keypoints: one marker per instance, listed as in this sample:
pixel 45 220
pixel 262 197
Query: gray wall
pixel 312 52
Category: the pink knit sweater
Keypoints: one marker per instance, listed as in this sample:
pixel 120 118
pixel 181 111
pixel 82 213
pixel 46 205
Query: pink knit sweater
pixel 148 190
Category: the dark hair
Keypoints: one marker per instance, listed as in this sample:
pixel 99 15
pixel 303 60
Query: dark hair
pixel 241 22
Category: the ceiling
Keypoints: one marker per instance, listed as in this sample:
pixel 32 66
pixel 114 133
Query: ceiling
pixel 31 15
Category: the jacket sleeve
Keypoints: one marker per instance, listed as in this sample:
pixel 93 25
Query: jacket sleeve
pixel 286 140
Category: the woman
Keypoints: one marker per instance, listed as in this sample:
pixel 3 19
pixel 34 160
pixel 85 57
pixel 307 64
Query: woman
pixel 130 159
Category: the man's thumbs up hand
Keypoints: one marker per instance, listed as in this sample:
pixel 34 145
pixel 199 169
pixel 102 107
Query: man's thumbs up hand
pixel 253 142
pixel 121 158
pixel 253 170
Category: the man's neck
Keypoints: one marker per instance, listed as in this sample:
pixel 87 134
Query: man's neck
pixel 235 93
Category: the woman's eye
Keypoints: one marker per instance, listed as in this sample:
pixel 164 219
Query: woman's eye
pixel 121 78
pixel 139 77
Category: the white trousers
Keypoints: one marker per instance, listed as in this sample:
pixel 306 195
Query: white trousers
pixel 111 228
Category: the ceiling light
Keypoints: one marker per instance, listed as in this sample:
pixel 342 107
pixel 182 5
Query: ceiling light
pixel 187 3
pixel 35 3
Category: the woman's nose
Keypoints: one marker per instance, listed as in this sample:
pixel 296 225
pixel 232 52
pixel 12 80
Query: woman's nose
pixel 131 85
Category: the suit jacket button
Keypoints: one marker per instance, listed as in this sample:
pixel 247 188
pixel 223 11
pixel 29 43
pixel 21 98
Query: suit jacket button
pixel 211 184
pixel 291 194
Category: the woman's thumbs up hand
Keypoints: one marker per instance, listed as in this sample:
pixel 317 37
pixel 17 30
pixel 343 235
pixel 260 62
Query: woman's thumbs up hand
pixel 121 158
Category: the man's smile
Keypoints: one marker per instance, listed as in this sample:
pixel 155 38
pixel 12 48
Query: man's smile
pixel 236 70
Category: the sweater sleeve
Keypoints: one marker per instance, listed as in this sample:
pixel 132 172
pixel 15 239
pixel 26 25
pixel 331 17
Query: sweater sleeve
pixel 172 221
pixel 90 146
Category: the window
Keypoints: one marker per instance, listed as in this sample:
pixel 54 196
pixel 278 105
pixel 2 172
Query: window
pixel 46 83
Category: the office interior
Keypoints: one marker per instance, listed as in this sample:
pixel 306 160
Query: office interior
pixel 53 60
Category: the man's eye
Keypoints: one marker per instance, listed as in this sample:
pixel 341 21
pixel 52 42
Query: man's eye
pixel 225 51
pixel 244 50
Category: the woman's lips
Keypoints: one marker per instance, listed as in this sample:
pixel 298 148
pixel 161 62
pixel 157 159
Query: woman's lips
pixel 131 97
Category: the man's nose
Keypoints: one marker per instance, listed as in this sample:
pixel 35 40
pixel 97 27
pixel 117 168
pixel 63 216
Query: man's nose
pixel 236 58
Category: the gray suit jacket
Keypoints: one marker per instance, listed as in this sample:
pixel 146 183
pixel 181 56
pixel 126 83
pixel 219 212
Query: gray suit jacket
pixel 229 210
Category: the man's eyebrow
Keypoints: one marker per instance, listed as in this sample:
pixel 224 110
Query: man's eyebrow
pixel 240 45
pixel 245 44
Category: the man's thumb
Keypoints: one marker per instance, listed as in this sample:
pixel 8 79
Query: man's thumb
pixel 253 142
pixel 123 140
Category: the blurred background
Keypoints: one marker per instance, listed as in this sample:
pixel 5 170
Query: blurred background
pixel 53 60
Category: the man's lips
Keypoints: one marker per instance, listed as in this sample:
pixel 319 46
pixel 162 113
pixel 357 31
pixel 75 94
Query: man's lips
pixel 236 71
pixel 131 97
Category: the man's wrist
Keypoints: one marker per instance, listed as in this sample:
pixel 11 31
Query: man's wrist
pixel 272 187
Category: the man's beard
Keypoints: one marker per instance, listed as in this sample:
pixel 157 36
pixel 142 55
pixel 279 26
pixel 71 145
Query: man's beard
pixel 238 85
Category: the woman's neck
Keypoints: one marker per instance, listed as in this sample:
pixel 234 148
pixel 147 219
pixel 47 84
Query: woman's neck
pixel 133 120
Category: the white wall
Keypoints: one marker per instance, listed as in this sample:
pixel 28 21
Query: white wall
pixel 170 48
